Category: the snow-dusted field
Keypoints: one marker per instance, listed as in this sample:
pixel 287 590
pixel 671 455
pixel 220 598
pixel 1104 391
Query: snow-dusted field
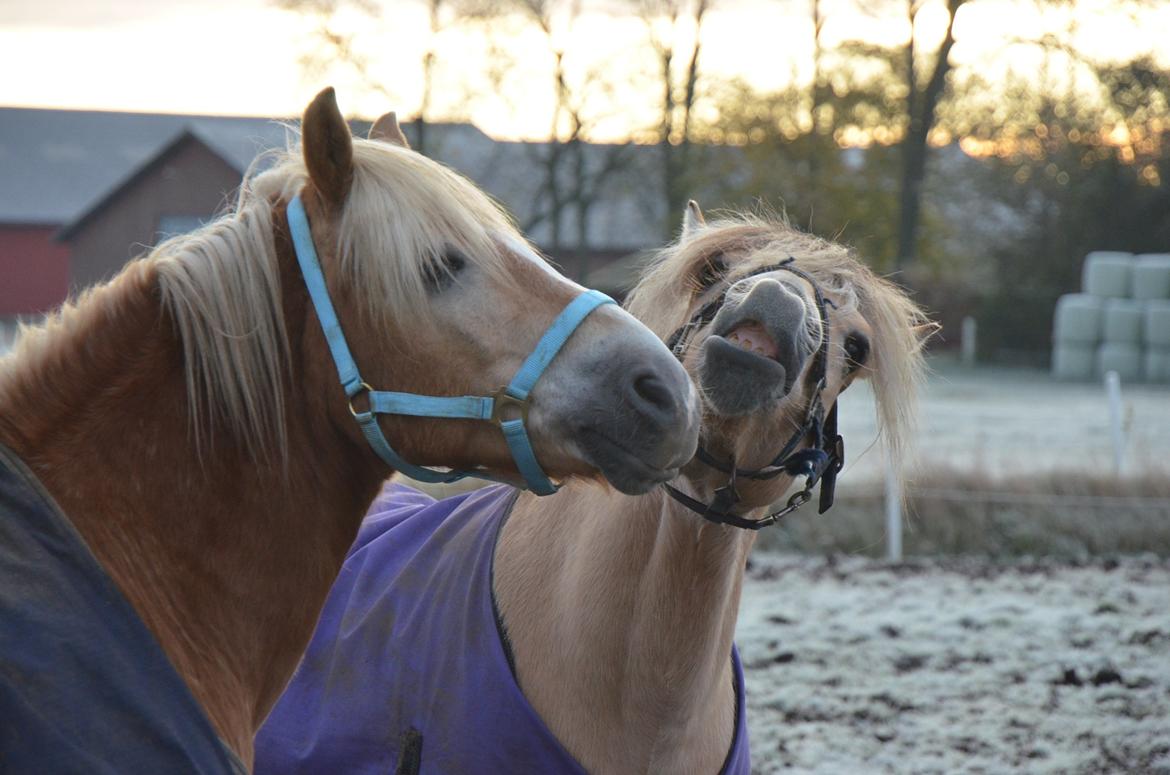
pixel 949 665
pixel 957 665
pixel 1000 421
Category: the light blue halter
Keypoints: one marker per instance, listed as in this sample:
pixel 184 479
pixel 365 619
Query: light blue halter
pixel 511 400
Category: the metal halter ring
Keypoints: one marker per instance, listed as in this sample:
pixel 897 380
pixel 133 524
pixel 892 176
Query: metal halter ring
pixel 365 388
pixel 504 403
pixel 797 500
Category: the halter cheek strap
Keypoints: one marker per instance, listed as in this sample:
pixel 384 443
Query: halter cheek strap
pixel 506 408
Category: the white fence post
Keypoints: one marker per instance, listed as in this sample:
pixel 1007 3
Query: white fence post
pixel 967 341
pixel 1116 432
pixel 893 516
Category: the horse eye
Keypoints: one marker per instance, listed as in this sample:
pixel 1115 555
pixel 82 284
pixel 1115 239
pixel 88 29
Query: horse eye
pixel 441 272
pixel 856 350
pixel 714 269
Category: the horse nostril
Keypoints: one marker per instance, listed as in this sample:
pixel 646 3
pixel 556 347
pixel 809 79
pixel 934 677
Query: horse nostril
pixel 653 393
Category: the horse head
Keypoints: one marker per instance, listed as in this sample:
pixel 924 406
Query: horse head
pixel 773 324
pixel 439 295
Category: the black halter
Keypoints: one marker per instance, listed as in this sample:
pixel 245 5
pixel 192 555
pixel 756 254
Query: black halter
pixel 818 463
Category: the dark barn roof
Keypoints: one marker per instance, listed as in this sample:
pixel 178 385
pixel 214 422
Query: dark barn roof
pixel 60 166
pixel 58 163
pixel 99 204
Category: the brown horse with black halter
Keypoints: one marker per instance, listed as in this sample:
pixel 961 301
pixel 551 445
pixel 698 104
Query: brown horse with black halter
pixel 628 658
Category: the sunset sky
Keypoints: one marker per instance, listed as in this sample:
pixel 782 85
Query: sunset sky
pixel 242 56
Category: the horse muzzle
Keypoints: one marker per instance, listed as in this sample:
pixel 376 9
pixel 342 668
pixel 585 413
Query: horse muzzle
pixel 756 351
pixel 635 414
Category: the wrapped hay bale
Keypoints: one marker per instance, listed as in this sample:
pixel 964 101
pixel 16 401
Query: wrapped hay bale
pixel 1151 276
pixel 1079 318
pixel 1107 274
pixel 1157 365
pixel 1156 324
pixel 1122 321
pixel 1073 360
pixel 1125 359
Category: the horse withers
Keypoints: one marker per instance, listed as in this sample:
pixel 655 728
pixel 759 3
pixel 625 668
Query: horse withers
pixel 187 451
pixel 592 631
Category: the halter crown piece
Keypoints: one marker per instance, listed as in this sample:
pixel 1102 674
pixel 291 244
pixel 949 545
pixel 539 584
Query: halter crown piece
pixel 512 399
pixel 819 463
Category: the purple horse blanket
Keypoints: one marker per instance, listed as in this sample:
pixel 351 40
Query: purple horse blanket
pixel 408 670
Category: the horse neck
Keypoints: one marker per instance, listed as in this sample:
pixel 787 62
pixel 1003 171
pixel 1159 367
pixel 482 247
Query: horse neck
pixel 621 612
pixel 228 561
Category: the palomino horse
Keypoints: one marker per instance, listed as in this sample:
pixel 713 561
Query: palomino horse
pixel 190 422
pixel 607 644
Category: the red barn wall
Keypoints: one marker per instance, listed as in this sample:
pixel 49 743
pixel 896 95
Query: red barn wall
pixel 34 269
pixel 191 180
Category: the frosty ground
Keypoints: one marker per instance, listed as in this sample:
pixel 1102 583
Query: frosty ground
pixel 969 664
pixel 957 665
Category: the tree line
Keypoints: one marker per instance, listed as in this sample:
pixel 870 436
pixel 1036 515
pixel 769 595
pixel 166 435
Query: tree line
pixel 982 193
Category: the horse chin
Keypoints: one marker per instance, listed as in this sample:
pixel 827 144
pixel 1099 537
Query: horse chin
pixel 737 382
pixel 623 468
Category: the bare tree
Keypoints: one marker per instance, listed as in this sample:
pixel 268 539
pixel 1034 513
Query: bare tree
pixel 922 98
pixel 434 11
pixel 338 45
pixel 677 68
pixel 574 172
pixel 819 90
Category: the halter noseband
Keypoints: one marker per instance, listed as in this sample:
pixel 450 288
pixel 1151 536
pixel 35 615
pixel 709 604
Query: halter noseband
pixel 818 463
pixel 506 402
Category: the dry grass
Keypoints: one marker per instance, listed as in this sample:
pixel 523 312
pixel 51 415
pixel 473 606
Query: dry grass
pixel 951 511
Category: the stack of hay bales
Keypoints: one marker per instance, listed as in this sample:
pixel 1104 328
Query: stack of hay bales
pixel 1151 285
pixel 1121 322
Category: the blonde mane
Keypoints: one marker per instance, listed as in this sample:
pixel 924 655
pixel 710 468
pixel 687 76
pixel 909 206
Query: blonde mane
pixel 899 327
pixel 221 283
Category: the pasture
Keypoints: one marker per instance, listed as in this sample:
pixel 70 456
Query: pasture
pixel 966 662
pixel 1004 421
pixel 1008 462
pixel 957 665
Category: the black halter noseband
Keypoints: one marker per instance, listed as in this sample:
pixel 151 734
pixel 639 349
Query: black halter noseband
pixel 818 463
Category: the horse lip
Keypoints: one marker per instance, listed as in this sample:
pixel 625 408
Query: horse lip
pixel 738 349
pixel 729 349
pixel 737 382
pixel 735 321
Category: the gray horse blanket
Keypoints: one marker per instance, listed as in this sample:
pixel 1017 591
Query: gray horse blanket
pixel 408 670
pixel 84 686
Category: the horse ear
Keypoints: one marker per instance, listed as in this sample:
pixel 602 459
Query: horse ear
pixel 328 148
pixel 387 130
pixel 693 218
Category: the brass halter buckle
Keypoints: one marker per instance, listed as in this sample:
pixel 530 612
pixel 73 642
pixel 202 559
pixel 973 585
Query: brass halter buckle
pixel 507 407
pixel 365 388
